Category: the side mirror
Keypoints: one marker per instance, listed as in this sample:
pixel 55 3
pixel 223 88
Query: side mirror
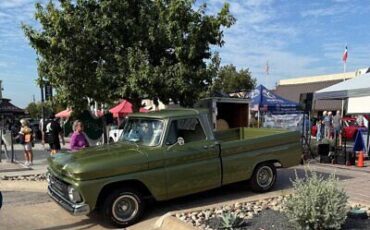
pixel 180 141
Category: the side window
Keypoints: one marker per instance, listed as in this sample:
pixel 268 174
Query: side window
pixel 189 129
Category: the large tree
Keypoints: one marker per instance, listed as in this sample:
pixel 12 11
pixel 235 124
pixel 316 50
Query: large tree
pixel 108 49
pixel 229 80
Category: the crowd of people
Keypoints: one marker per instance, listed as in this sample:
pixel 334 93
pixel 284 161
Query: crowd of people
pixel 329 126
pixel 51 134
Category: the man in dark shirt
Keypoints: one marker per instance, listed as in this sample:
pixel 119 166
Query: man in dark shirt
pixel 53 131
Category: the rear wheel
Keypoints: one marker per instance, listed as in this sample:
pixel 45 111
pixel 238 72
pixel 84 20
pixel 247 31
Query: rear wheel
pixel 264 177
pixel 123 207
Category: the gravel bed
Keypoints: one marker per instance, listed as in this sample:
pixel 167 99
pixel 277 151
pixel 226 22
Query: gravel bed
pixel 35 177
pixel 263 214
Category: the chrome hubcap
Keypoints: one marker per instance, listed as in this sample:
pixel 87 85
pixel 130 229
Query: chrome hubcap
pixel 265 176
pixel 125 208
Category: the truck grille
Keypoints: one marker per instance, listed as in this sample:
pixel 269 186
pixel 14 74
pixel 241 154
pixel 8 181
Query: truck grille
pixel 58 185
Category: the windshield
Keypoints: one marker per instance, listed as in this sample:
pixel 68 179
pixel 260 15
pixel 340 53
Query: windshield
pixel 143 131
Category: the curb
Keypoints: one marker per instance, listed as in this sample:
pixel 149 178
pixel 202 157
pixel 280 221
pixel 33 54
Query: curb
pixel 23 168
pixel 169 222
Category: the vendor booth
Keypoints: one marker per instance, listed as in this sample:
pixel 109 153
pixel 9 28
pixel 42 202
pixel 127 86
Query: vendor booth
pixel 357 93
pixel 275 111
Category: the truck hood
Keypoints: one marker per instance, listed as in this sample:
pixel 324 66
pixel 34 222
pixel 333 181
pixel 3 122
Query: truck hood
pixel 99 162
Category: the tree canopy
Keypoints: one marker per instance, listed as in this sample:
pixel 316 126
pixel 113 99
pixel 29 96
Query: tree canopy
pixel 108 49
pixel 229 80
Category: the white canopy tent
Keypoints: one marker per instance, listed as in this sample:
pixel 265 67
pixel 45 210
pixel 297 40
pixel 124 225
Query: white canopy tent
pixel 356 90
pixel 356 87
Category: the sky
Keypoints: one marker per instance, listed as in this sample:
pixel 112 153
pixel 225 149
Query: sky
pixel 296 38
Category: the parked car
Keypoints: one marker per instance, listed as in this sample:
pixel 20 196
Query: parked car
pixel 164 155
pixel 350 128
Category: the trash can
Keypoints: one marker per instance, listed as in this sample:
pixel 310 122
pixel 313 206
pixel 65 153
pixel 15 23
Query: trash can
pixel 323 152
pixel 350 158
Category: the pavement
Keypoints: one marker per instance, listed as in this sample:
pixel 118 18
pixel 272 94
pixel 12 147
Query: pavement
pixel 26 203
pixel 17 168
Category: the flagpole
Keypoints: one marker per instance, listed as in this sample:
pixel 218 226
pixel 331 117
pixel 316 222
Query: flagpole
pixel 344 79
pixel 345 55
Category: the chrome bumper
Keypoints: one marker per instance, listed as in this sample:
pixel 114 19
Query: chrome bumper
pixel 74 209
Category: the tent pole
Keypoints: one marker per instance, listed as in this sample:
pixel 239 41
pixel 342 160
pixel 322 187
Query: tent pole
pixel 367 143
pixel 258 118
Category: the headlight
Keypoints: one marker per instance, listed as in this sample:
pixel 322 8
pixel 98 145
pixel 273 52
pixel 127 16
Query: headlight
pixel 48 177
pixel 74 195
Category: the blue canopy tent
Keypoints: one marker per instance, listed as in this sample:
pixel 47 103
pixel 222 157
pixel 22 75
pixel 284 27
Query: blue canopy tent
pixel 263 100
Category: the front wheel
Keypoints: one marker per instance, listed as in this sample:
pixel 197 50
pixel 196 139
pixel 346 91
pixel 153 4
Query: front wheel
pixel 264 177
pixel 123 207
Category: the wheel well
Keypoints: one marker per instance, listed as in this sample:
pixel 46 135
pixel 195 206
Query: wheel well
pixel 123 184
pixel 276 163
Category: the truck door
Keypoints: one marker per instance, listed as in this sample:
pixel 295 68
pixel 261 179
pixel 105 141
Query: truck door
pixel 194 165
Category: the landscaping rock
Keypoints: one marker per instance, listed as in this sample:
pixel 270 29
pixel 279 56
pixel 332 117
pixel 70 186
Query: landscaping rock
pixel 263 214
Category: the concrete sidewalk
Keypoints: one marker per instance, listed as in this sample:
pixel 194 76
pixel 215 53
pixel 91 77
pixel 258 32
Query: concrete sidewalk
pixel 40 155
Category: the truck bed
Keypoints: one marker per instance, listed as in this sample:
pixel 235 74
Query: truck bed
pixel 245 133
pixel 243 148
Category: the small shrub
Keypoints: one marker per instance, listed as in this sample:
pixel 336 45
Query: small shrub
pixel 316 203
pixel 230 221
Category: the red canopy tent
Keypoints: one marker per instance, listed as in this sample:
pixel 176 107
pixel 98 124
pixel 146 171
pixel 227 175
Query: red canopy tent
pixel 64 114
pixel 122 109
pixel 67 113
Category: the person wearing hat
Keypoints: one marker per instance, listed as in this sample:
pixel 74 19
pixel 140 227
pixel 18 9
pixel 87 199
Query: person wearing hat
pixel 25 135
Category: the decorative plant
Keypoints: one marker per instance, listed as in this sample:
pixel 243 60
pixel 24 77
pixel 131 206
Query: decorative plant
pixel 230 221
pixel 316 203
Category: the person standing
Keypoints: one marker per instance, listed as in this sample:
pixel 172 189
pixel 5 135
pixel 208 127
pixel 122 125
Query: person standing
pixel 337 120
pixel 318 130
pixel 25 134
pixel 52 132
pixel 78 138
pixel 327 123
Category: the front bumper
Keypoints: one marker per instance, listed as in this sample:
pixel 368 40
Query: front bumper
pixel 72 208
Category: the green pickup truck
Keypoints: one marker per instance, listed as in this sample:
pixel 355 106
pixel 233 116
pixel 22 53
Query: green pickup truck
pixel 163 155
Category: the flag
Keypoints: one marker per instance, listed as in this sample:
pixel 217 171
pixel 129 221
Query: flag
pixel 267 68
pixel 345 55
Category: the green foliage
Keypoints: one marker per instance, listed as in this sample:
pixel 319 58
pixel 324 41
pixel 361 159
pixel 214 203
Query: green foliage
pixel 35 109
pixel 316 203
pixel 230 221
pixel 230 80
pixel 106 50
